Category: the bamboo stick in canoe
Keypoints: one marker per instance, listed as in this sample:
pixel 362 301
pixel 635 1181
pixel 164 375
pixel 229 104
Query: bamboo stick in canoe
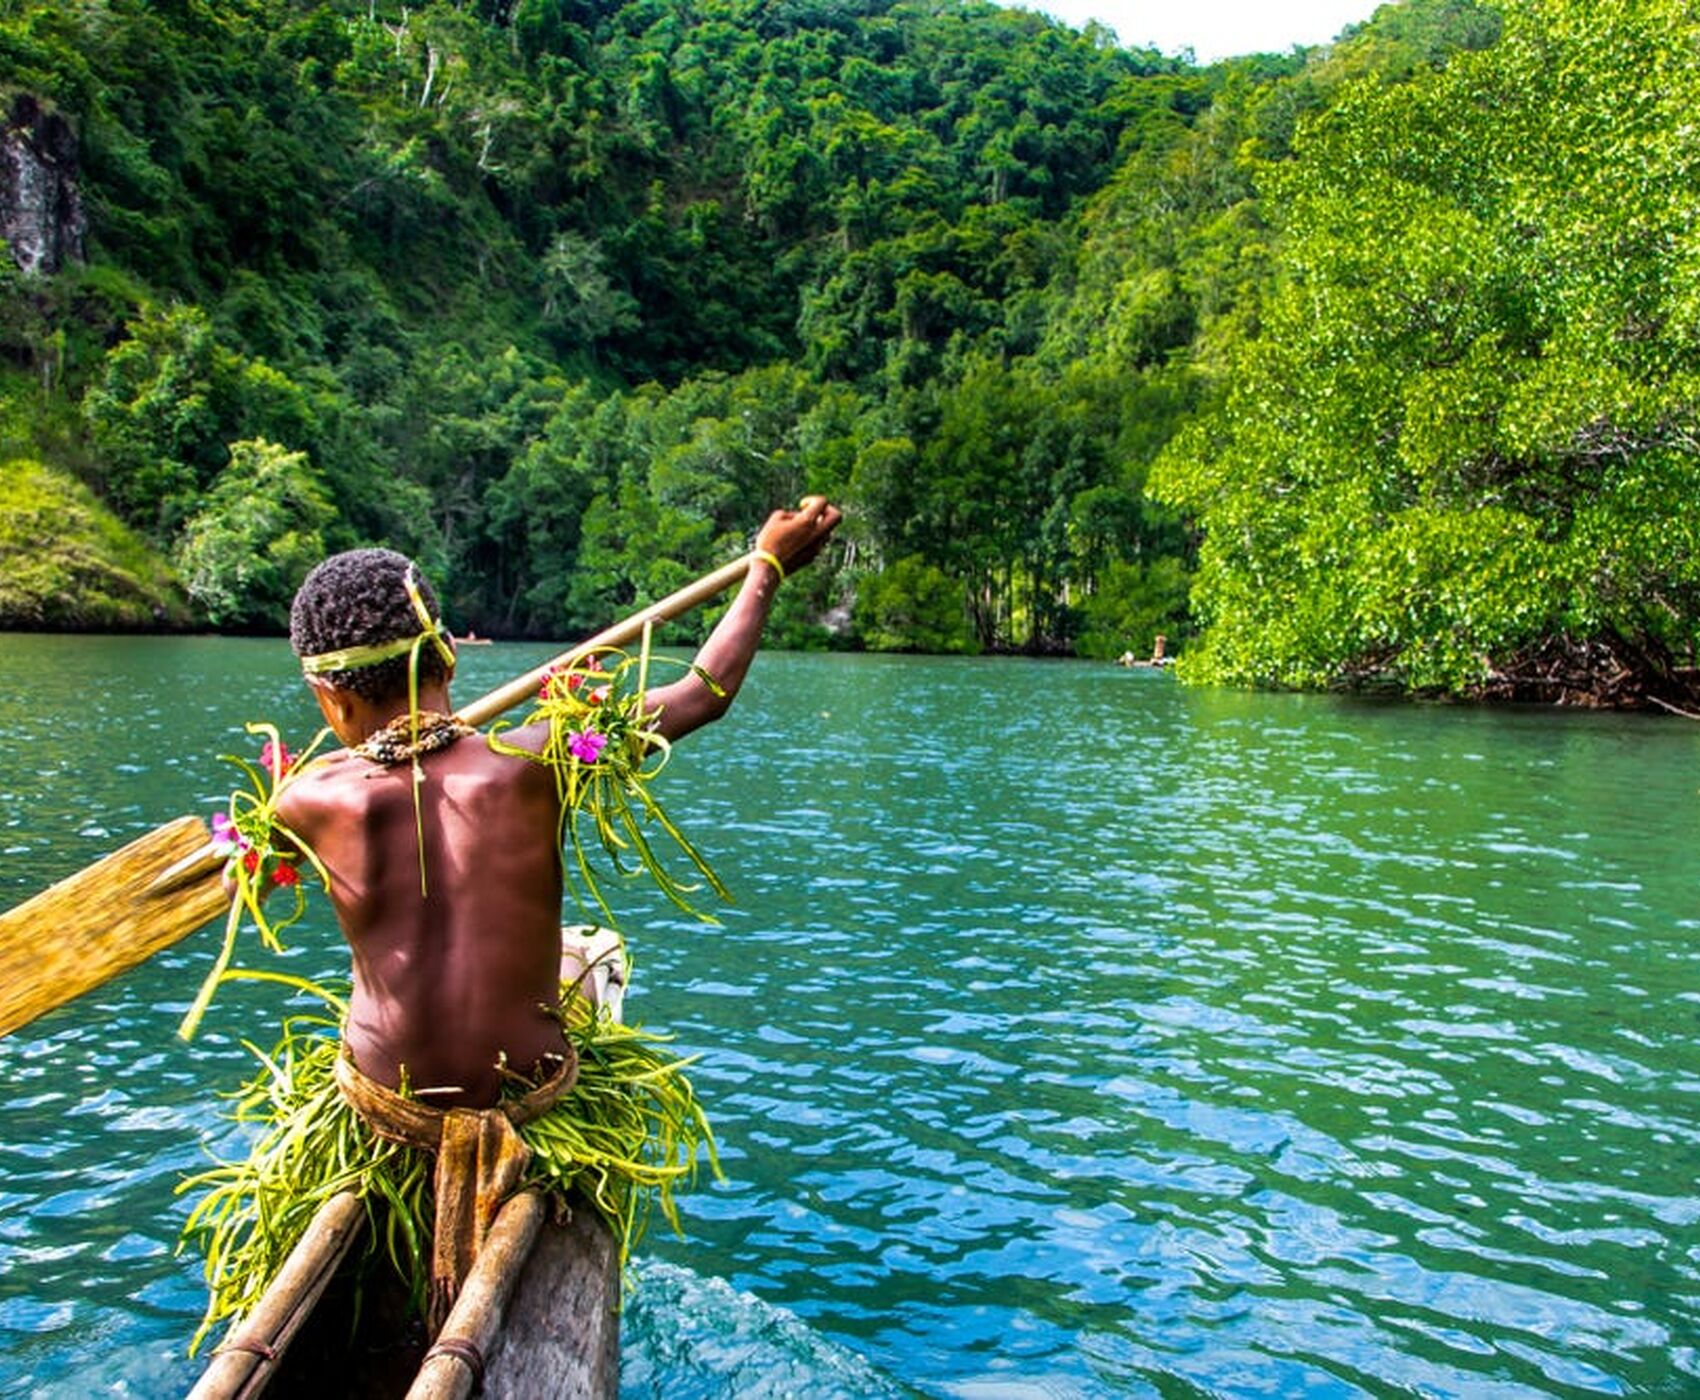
pixel 541 1309
pixel 120 911
pixel 454 1367
pixel 244 1362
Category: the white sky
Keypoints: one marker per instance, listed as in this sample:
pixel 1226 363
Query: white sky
pixel 1214 29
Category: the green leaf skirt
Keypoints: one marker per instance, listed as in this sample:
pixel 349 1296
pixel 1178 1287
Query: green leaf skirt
pixel 626 1135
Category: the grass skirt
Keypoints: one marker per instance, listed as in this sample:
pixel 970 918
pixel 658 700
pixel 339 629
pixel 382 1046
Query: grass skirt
pixel 626 1134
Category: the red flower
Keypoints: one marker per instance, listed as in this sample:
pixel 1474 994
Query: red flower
pixel 251 860
pixel 598 695
pixel 280 753
pixel 285 874
pixel 577 674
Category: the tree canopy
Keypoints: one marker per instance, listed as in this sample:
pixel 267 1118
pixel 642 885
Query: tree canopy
pixel 1459 453
pixel 1364 364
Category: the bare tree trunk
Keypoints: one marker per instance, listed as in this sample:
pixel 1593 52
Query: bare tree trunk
pixel 430 74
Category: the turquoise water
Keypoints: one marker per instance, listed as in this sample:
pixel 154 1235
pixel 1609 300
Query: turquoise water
pixel 1074 1034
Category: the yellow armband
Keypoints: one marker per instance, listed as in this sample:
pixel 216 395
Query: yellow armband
pixel 714 686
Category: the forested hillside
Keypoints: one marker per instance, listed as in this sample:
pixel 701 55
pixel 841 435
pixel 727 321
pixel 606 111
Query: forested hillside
pixel 1461 451
pixel 562 296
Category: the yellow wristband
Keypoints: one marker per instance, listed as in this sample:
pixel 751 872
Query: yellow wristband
pixel 767 556
pixel 702 674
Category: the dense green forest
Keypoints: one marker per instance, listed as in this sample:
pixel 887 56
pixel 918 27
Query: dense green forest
pixel 1365 365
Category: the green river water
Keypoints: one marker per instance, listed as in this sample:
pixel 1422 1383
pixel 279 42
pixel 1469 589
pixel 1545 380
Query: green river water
pixel 1074 1034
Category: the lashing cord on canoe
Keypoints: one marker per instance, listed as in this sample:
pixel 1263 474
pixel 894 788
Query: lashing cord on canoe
pixel 464 1351
pixel 252 1345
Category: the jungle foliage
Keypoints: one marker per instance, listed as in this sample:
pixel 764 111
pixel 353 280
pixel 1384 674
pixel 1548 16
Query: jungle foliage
pixel 70 564
pixel 1461 452
pixel 561 296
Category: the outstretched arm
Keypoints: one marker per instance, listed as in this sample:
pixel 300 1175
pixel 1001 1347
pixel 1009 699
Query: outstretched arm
pixel 795 537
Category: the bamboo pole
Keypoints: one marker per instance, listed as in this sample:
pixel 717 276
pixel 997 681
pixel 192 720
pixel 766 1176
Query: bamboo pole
pixel 245 1360
pixel 452 1373
pixel 560 1332
pixel 692 595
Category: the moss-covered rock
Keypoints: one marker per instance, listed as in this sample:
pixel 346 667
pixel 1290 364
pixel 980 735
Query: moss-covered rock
pixel 68 562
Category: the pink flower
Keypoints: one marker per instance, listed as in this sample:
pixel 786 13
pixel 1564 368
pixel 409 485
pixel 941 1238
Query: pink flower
pixel 586 745
pixel 227 839
pixel 278 753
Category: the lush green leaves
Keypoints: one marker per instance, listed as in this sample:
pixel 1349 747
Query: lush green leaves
pixel 407 242
pixel 914 606
pixel 67 562
pixel 1133 605
pixel 1467 424
pixel 245 552
pixel 562 298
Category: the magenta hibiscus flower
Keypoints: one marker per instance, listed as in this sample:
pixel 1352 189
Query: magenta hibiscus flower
pixel 586 745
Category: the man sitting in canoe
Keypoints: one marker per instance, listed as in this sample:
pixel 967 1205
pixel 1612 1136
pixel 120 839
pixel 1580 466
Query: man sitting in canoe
pixel 479 949
pixel 443 862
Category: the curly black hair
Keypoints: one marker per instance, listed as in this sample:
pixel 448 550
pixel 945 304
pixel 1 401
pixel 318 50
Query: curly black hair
pixel 358 598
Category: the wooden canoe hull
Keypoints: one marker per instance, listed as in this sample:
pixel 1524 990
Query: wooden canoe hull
pixel 559 1335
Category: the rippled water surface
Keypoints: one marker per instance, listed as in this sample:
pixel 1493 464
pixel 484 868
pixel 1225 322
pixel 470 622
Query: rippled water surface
pixel 1074 1034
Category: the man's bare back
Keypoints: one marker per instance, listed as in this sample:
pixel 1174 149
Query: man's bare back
pixel 456 982
pixel 449 983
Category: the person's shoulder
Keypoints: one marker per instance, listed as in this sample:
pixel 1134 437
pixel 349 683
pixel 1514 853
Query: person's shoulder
pixel 532 738
pixel 510 758
pixel 327 768
pixel 322 782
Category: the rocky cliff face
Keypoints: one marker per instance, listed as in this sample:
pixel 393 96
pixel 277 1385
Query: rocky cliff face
pixel 41 211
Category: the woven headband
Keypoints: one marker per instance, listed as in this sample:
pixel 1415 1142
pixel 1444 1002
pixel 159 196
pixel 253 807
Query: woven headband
pixel 372 653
